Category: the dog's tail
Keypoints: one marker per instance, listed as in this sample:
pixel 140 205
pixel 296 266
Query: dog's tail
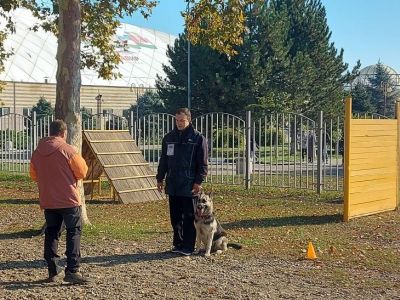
pixel 235 246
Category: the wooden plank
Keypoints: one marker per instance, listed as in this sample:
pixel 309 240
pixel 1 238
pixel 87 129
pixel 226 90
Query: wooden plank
pixel 111 141
pixel 371 179
pixel 122 165
pixel 365 159
pixel 106 131
pixel 364 122
pixel 388 183
pixel 378 171
pixel 374 151
pixel 375 127
pixel 377 142
pixel 372 133
pixel 374 190
pixel 357 198
pixel 373 164
pixel 133 177
pixel 118 153
pixel 357 139
pixel 138 190
pixel 364 209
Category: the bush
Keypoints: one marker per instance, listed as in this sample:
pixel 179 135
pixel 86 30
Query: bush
pixel 264 138
pixel 228 138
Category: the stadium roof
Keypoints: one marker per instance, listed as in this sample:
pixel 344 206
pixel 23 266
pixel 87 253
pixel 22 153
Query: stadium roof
pixel 370 71
pixel 143 52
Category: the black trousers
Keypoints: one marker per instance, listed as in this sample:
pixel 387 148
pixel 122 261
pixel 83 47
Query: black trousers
pixel 182 221
pixel 73 224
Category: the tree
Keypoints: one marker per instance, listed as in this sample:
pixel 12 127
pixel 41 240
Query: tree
pixel 381 85
pixel 362 99
pixel 43 108
pixel 309 71
pixel 286 63
pixel 213 79
pixel 95 22
pixel 148 103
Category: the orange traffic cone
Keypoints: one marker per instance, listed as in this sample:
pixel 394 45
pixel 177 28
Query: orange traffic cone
pixel 311 252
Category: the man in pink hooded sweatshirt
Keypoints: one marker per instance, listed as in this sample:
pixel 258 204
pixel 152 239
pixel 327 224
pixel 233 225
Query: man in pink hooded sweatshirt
pixel 56 167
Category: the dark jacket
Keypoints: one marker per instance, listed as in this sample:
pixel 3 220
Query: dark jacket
pixel 184 161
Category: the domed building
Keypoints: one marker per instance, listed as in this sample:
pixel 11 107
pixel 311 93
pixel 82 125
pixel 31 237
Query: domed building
pixel 30 73
pixel 370 71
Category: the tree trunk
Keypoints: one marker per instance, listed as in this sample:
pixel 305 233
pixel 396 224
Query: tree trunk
pixel 68 77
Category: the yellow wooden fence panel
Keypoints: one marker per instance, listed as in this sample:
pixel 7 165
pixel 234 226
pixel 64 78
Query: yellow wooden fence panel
pixel 371 165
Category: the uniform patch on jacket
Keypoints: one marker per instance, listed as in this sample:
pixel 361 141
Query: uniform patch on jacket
pixel 170 149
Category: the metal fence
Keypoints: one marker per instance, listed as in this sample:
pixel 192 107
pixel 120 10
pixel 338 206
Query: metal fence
pixel 285 150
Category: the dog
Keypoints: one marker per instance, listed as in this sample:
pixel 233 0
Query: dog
pixel 208 230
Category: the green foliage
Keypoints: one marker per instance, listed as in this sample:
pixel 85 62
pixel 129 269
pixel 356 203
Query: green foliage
pixel 148 103
pixel 269 136
pixel 286 63
pixel 86 114
pixel 375 96
pixel 362 101
pixel 228 138
pixel 215 80
pixel 43 108
pixel 381 84
pixel 21 140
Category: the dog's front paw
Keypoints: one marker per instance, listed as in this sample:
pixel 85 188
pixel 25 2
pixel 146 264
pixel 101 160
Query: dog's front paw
pixel 207 254
pixel 196 252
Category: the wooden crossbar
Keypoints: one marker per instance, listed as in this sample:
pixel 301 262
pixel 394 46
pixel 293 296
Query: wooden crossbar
pixel 121 152
pixel 124 165
pixel 133 177
pixel 106 130
pixel 110 141
pixel 138 190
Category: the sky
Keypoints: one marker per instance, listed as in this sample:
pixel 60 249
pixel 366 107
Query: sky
pixel 367 30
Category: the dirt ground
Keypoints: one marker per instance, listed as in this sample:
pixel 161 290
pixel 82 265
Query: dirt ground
pixel 129 270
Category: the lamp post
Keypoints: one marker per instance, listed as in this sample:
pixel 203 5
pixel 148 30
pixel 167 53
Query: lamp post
pixel 188 56
pixel 98 98
pixel 385 89
pixel 139 92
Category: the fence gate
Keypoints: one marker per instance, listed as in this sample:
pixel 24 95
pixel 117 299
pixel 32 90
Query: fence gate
pixel 148 133
pixel 225 134
pixel 17 142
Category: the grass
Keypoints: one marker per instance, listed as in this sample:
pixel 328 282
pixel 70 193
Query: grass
pixel 267 221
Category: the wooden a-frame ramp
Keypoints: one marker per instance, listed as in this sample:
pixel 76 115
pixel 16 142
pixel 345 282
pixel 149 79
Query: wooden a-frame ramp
pixel 114 153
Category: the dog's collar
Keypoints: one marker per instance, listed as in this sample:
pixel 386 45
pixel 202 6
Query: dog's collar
pixel 203 216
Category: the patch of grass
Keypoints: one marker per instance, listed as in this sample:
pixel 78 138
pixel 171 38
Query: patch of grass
pixel 266 221
pixel 17 181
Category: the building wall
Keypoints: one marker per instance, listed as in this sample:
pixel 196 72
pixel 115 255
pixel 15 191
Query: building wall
pixel 26 95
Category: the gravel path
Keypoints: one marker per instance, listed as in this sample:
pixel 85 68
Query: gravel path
pixel 131 270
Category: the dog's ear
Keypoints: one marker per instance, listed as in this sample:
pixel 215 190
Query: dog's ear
pixel 210 194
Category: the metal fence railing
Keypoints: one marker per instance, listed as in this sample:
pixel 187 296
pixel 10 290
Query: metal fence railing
pixel 277 150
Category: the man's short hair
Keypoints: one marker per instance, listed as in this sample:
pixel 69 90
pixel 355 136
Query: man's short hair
pixel 57 127
pixel 185 111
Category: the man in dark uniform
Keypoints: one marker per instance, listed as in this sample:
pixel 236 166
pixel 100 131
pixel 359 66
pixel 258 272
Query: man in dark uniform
pixel 184 161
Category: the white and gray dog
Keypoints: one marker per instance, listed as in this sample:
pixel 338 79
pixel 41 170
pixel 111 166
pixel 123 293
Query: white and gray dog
pixel 208 230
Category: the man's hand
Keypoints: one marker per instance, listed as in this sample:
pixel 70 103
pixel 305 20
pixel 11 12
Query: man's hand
pixel 196 188
pixel 160 186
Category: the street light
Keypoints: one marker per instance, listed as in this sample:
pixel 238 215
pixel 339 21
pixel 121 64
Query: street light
pixel 385 86
pixel 188 54
pixel 138 89
pixel 99 100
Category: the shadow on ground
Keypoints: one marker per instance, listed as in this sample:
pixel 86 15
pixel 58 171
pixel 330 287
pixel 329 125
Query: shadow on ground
pixel 284 221
pixel 25 234
pixel 106 261
pixel 20 201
